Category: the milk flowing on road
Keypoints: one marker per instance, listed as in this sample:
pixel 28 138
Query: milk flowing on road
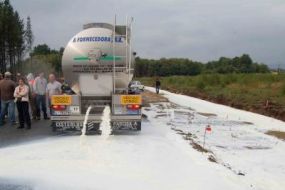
pixel 105 125
pixel 84 128
pixel 159 157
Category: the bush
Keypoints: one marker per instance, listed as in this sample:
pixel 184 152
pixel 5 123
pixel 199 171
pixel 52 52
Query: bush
pixel 200 85
pixel 283 89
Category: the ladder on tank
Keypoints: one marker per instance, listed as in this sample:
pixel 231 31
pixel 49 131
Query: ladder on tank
pixel 128 53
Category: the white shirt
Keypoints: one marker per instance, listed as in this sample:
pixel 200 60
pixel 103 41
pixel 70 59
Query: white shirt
pixel 40 85
pixel 23 92
pixel 53 88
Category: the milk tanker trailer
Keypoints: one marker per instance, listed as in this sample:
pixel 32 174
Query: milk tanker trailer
pixel 97 64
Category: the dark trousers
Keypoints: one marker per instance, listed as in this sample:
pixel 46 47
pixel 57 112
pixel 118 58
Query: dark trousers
pixel 33 106
pixel 23 113
pixel 41 104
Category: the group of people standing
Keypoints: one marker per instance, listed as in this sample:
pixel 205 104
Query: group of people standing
pixel 25 93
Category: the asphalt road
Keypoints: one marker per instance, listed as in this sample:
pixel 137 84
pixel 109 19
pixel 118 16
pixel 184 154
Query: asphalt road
pixel 10 135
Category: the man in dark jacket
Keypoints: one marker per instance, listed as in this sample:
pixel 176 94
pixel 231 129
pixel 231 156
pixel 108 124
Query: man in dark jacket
pixel 7 88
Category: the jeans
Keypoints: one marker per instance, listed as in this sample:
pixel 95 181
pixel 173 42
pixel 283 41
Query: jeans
pixel 157 89
pixel 41 104
pixel 10 105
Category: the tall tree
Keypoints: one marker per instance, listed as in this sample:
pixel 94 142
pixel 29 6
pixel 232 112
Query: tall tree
pixel 41 49
pixel 19 41
pixel 12 44
pixel 29 37
pixel 246 63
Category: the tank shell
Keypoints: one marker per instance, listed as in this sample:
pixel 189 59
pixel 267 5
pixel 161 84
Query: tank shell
pixel 87 61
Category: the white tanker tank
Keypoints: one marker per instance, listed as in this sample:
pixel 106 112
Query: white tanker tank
pixel 90 55
pixel 98 64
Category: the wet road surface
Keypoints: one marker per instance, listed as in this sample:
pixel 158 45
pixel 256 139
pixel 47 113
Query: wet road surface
pixel 10 135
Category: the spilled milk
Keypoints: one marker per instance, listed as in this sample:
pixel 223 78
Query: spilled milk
pixel 105 126
pixel 83 131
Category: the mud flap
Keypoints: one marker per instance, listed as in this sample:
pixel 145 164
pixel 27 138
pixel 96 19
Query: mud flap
pixel 75 127
pixel 126 125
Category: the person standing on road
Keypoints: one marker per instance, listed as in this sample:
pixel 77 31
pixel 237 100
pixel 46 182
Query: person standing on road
pixel 7 88
pixel 32 98
pixel 17 78
pixel 65 88
pixel 53 88
pixel 39 89
pixel 21 94
pixel 157 85
pixel 1 78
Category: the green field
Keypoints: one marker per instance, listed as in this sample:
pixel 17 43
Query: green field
pixel 261 93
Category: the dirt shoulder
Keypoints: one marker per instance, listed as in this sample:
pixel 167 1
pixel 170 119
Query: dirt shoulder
pixel 150 97
pixel 277 134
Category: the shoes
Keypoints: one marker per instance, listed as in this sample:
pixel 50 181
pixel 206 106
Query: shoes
pixel 38 118
pixel 28 128
pixel 14 123
pixel 20 127
pixel 46 118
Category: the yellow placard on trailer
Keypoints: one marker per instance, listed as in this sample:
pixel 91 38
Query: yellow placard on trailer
pixel 61 100
pixel 131 99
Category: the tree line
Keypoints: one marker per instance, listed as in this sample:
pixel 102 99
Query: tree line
pixel 179 66
pixel 15 39
pixel 44 59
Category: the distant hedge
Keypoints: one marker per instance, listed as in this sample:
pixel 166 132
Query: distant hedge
pixel 177 66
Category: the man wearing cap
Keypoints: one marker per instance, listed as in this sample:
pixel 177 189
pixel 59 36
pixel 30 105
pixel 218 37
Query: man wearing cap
pixel 7 88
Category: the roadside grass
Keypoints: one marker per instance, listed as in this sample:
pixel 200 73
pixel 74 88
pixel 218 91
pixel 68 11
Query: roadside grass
pixel 262 93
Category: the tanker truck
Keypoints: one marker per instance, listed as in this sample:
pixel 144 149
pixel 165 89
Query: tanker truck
pixel 97 65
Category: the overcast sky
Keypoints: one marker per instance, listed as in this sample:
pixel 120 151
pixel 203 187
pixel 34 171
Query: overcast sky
pixel 201 30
